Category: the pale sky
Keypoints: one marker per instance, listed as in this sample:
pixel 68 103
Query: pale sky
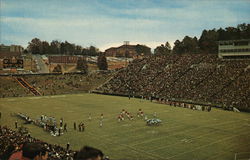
pixel 107 23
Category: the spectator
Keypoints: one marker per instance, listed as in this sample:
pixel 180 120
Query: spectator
pixel 31 151
pixel 192 77
pixel 11 143
pixel 89 153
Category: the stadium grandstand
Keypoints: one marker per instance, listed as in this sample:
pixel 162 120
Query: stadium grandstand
pixel 196 78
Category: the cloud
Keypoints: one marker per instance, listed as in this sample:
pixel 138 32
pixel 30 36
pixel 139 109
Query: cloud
pixel 99 23
pixel 84 32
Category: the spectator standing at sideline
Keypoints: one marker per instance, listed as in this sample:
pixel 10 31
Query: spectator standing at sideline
pixel 61 122
pixel 67 147
pixel 80 127
pixel 100 124
pixel 154 114
pixel 65 127
pixel 15 124
pixel 90 117
pixel 102 116
pixel 74 125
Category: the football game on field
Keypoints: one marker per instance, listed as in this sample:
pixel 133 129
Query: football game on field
pixel 183 133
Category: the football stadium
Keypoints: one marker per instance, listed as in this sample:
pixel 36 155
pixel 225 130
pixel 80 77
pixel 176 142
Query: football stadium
pixel 64 101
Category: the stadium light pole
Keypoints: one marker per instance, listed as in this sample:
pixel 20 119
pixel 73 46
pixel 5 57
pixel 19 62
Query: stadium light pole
pixel 126 51
pixel 31 62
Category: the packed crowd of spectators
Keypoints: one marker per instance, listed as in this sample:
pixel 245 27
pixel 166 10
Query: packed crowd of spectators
pixel 12 141
pixel 10 88
pixel 197 78
pixel 52 84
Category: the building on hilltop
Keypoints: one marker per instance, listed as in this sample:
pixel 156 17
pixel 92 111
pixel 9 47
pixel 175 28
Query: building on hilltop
pixel 11 57
pixel 10 51
pixel 122 51
pixel 11 48
pixel 127 50
pixel 234 48
pixel 63 59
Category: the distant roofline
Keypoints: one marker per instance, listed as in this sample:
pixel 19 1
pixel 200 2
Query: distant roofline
pixel 129 45
pixel 10 45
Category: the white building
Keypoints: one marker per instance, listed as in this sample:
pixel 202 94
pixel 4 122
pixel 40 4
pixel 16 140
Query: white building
pixel 234 48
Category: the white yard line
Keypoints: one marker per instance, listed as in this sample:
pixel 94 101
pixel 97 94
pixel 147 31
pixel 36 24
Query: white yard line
pixel 153 156
pixel 188 139
pixel 197 148
pixel 150 140
pixel 223 152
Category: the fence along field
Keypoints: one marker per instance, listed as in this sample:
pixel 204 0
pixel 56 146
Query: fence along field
pixel 183 134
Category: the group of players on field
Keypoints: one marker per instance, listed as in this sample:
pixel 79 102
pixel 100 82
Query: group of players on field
pixel 125 114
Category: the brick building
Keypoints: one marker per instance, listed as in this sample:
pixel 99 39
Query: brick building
pixel 10 51
pixel 63 59
pixel 122 51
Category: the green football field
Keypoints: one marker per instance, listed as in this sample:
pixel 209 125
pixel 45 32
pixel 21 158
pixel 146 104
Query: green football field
pixel 184 134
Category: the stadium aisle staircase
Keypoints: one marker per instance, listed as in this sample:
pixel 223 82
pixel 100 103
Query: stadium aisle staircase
pixel 111 77
pixel 25 84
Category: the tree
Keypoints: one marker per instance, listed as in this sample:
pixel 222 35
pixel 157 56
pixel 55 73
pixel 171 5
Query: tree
pixel 62 48
pixel 35 46
pixel 85 51
pixel 55 47
pixel 58 69
pixel 70 48
pixel 222 34
pixel 102 62
pixel 168 47
pixel 67 48
pixel 44 48
pixel 78 50
pixel 178 47
pixel 244 30
pixel 233 33
pixel 82 65
pixel 208 41
pixel 190 45
pixel 25 51
pixel 93 51
pixel 163 49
